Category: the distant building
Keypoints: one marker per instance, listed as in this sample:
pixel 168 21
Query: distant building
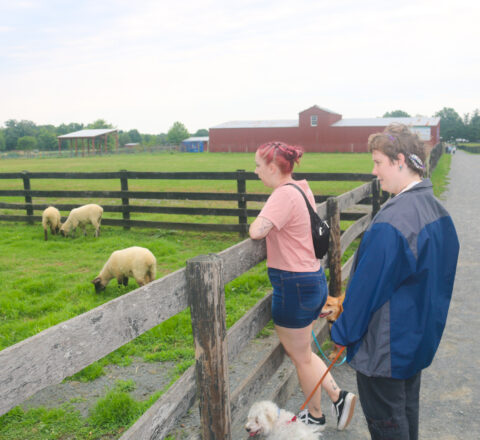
pixel 197 144
pixel 317 130
pixel 93 136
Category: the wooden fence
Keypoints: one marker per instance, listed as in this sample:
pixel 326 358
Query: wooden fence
pixel 126 196
pixel 64 349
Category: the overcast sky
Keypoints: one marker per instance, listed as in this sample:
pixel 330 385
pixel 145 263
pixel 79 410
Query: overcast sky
pixel 146 64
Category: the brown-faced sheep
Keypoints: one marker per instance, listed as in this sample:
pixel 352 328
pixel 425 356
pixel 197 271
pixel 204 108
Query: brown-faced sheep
pixel 51 217
pixel 82 216
pixel 135 261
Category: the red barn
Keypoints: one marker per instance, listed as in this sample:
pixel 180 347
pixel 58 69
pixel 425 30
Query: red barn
pixel 316 129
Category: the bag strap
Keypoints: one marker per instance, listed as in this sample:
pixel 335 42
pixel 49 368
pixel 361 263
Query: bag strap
pixel 309 206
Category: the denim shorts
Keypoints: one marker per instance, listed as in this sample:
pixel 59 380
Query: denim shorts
pixel 298 297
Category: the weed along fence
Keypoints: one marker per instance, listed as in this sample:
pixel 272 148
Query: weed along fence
pixel 64 349
pixel 35 200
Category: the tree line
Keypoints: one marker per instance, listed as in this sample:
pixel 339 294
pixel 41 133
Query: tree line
pixel 452 126
pixel 26 135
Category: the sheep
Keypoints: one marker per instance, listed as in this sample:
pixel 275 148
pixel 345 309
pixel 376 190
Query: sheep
pixel 81 216
pixel 135 261
pixel 51 217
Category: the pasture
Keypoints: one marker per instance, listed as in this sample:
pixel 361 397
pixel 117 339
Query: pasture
pixel 44 283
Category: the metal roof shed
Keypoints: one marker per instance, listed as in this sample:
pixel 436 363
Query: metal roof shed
pixel 89 134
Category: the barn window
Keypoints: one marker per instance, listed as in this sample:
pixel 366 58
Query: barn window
pixel 313 120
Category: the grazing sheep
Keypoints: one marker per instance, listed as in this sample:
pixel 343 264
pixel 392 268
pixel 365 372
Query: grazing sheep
pixel 81 216
pixel 51 217
pixel 135 261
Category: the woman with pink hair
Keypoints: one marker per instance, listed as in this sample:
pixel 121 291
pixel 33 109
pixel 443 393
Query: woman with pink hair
pixel 298 280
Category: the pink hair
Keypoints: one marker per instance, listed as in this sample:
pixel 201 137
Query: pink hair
pixel 281 154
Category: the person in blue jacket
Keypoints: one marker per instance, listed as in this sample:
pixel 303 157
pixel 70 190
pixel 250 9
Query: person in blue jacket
pixel 400 286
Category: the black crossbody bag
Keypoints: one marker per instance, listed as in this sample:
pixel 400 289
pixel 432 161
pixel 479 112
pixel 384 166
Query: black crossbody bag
pixel 320 228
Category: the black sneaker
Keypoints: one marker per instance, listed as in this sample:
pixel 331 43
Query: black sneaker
pixel 305 417
pixel 343 409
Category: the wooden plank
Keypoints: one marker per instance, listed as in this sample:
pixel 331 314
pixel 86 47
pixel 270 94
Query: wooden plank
pixel 241 257
pixel 253 384
pixel 352 197
pixel 347 267
pixel 334 250
pixel 322 210
pixel 165 413
pixel 64 349
pixel 361 177
pixel 230 212
pixel 185 176
pixel 351 216
pixel 20 218
pixel 122 194
pixel 354 231
pixel 205 289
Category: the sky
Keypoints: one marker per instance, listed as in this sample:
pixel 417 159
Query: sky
pixel 145 64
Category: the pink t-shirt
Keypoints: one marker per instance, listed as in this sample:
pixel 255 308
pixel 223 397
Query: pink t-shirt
pixel 289 242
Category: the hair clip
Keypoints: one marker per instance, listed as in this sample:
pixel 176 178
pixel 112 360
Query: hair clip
pixel 416 161
pixel 392 138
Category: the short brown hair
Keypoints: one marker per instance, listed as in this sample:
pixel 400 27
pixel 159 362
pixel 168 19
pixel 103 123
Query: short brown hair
pixel 396 139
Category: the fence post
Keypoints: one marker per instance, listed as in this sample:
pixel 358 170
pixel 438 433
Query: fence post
pixel 125 200
pixel 242 202
pixel 375 196
pixel 334 249
pixel 28 197
pixel 205 289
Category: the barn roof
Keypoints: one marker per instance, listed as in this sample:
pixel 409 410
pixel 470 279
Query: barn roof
pixel 88 133
pixel 196 139
pixel 259 124
pixel 419 121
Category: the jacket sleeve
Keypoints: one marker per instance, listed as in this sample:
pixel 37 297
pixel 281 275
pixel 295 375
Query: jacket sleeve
pixel 384 260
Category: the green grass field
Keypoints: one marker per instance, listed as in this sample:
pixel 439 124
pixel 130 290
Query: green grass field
pixel 45 283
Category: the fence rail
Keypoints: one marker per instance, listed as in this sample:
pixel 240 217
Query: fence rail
pixel 241 197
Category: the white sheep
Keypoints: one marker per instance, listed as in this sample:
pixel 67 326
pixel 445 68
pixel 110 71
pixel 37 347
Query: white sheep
pixel 51 217
pixel 135 261
pixel 81 216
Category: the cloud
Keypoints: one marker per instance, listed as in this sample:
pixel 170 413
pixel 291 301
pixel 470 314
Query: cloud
pixel 146 64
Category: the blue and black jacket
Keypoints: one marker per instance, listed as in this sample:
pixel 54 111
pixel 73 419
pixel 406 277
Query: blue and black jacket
pixel 399 292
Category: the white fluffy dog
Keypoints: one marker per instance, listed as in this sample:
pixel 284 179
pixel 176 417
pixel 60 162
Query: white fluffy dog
pixel 268 419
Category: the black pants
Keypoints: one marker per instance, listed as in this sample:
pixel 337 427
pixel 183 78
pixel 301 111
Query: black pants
pixel 391 406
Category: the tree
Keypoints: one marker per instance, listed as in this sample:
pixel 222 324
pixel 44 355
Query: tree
pixel 177 133
pixel 46 139
pixel 472 127
pixel 26 143
pixel 17 129
pixel 396 114
pixel 451 125
pixel 134 136
pixel 201 132
pixel 99 123
pixel 70 128
pixel 2 140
